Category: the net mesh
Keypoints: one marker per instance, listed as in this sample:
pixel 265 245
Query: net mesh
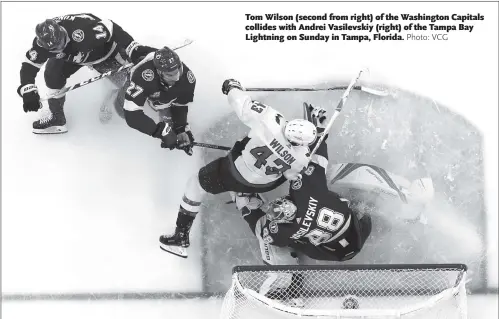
pixel 391 291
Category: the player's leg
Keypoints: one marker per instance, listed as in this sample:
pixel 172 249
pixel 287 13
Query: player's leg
pixel 119 80
pixel 207 180
pixel 56 74
pixel 280 285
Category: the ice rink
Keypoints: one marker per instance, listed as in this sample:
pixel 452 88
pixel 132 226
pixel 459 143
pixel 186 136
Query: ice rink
pixel 82 211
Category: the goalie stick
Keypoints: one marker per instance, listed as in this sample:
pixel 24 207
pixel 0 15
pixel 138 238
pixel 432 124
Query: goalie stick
pixel 101 76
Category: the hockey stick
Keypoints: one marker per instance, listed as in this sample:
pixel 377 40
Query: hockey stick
pixel 101 76
pixel 66 89
pixel 217 147
pixel 334 88
pixel 337 111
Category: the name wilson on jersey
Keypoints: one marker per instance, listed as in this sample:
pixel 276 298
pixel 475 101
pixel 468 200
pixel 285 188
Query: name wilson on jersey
pixel 279 150
pixel 307 221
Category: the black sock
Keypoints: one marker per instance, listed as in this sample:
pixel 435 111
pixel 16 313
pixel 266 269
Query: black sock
pixel 185 220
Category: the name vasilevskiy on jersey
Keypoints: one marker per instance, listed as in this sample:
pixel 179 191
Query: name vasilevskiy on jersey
pixel 307 221
pixel 279 149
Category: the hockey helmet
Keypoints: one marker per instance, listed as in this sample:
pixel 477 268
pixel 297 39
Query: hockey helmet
pixel 51 36
pixel 300 132
pixel 281 209
pixel 168 64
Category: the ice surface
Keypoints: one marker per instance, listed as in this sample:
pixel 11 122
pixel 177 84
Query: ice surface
pixel 421 141
pixel 82 212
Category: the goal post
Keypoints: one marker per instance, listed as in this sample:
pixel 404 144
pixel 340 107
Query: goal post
pixel 347 291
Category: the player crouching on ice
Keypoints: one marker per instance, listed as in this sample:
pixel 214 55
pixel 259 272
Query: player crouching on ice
pixel 275 150
pixel 167 85
pixel 68 43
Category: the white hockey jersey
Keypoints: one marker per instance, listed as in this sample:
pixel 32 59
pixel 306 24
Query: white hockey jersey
pixel 267 155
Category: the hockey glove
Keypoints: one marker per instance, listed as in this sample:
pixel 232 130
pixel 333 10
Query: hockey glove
pixel 317 116
pixel 165 133
pixel 250 201
pixel 231 84
pixel 185 139
pixel 31 98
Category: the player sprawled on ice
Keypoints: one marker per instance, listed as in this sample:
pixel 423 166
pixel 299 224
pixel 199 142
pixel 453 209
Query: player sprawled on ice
pixel 66 44
pixel 275 150
pixel 162 81
pixel 319 223
pixel 310 220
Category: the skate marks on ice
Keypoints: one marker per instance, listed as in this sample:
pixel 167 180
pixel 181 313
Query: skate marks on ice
pixel 405 134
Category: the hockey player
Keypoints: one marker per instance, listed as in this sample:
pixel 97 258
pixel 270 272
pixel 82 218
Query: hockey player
pixel 275 150
pixel 310 220
pixel 66 44
pixel 167 85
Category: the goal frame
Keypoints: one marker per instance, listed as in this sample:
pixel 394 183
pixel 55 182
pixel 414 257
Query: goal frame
pixel 458 288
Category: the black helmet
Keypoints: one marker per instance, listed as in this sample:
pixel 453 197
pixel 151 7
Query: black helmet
pixel 50 35
pixel 168 64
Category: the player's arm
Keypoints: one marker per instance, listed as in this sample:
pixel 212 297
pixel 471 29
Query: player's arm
pixel 110 31
pixel 138 120
pixel 274 232
pixel 247 110
pixel 317 115
pixel 35 58
pixel 179 96
pixel 314 176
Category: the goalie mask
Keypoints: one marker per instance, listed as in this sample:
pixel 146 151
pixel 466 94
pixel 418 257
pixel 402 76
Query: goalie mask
pixel 281 209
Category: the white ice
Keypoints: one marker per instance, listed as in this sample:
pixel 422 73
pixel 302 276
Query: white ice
pixel 83 211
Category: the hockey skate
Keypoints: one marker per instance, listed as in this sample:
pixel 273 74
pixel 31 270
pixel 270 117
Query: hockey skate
pixel 177 243
pixel 53 121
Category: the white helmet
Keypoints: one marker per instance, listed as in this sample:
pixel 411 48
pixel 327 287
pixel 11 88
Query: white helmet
pixel 300 132
pixel 281 209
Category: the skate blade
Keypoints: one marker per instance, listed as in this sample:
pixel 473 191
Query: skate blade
pixel 105 113
pixel 174 250
pixel 51 130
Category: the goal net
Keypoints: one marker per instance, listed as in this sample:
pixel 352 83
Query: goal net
pixel 347 291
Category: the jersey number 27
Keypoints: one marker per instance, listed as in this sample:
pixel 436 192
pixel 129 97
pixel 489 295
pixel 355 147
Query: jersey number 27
pixel 134 90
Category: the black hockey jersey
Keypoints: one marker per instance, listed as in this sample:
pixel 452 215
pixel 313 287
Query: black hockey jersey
pixel 91 41
pixel 322 216
pixel 146 85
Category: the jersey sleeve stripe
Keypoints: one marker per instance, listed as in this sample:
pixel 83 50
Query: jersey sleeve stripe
pixel 109 26
pixel 38 65
pixel 132 107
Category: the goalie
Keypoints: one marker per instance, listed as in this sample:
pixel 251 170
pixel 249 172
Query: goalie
pixel 311 219
pixel 316 222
